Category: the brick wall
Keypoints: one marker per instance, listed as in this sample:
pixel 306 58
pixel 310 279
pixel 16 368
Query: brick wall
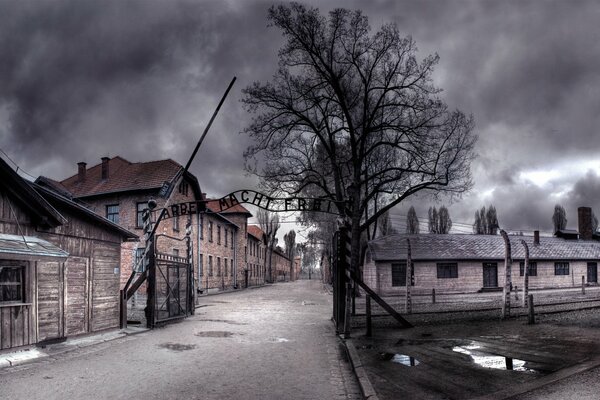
pixel 256 261
pixel 378 275
pixel 219 251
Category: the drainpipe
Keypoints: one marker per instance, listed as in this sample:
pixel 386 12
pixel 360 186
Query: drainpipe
pixel 235 259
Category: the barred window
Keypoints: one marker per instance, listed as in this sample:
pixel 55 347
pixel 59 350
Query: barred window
pixel 218 266
pixel 139 212
pixel 532 268
pixel 210 266
pixel 447 270
pixel 231 270
pixel 210 231
pixel 200 265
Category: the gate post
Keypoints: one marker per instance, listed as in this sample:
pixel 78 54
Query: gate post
pixel 190 287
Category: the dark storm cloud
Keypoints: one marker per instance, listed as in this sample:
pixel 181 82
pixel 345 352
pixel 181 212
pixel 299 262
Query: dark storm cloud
pixel 84 79
pixel 140 79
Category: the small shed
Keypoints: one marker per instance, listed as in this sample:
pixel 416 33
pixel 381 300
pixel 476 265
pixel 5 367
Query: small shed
pixel 59 265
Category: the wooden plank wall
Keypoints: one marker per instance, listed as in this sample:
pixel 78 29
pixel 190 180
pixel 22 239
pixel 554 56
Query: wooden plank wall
pixel 105 291
pixel 50 301
pixel 67 298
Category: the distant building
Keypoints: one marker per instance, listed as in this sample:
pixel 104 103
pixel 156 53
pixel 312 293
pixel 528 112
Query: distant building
pixel 470 263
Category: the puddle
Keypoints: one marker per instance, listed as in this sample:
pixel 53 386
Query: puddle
pixel 214 334
pixel 177 346
pixel 400 359
pixel 487 360
pixel 280 340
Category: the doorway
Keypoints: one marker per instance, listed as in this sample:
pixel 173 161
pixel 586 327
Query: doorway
pixel 490 275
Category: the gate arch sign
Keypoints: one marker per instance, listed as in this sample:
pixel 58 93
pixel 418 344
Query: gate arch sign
pixel 259 200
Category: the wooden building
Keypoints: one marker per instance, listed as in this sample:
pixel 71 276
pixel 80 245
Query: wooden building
pixel 59 265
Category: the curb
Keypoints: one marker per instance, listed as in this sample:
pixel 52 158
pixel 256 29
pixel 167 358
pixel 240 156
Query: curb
pixel 37 354
pixel 361 374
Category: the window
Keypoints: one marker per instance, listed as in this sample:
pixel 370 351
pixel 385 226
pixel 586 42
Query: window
pixel 183 188
pixel 200 265
pixel 176 252
pixel 210 266
pixel 232 239
pixel 226 234
pixel 561 268
pixel 218 234
pixel 218 266
pixel 447 270
pixel 210 231
pixel 201 227
pixel 246 253
pixel 139 253
pixel 532 268
pixel 399 274
pixel 11 283
pixel 112 213
pixel 231 269
pixel 176 223
pixel 139 212
pixel 225 265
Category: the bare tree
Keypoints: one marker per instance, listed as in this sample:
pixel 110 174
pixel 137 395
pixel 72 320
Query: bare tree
pixel 353 117
pixel 491 218
pixel 269 223
pixel 290 249
pixel 477 226
pixel 412 221
pixel 439 221
pixel 486 221
pixel 384 225
pixel 433 222
pixel 444 221
pixel 559 218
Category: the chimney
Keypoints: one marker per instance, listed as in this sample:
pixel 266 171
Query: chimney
pixel 536 238
pixel 81 171
pixel 585 223
pixel 105 167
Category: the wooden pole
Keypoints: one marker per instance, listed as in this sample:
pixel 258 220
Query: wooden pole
pixel 531 315
pixel 369 322
pixel 433 296
pixel 525 274
pixel 582 284
pixel 408 277
pixel 123 294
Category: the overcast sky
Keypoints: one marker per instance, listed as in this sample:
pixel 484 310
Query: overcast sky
pixel 80 80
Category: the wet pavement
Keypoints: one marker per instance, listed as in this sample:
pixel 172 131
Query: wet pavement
pixel 273 342
pixel 484 358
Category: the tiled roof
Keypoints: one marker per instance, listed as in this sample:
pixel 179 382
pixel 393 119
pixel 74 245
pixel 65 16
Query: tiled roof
pixel 213 205
pixel 480 247
pixel 123 176
pixel 256 232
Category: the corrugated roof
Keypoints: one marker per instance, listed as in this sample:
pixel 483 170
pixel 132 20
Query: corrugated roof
pixel 480 247
pixel 29 246
pixel 122 176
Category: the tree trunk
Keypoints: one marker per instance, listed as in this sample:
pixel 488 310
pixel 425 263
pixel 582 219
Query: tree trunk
pixel 409 269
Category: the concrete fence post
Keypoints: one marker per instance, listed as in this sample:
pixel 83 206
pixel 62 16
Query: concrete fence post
pixel 433 296
pixel 531 314
pixel 582 284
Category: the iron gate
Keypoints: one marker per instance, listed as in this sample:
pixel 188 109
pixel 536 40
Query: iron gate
pixel 173 278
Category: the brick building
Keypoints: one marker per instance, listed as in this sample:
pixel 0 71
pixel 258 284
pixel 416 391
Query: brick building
pixel 470 263
pixel 280 265
pixel 119 190
pixel 256 264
